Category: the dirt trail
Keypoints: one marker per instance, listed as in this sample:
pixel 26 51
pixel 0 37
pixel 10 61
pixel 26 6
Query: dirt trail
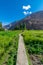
pixel 21 56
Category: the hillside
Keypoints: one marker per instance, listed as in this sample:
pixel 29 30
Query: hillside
pixel 34 21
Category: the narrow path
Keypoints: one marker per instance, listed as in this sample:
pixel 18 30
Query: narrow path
pixel 21 56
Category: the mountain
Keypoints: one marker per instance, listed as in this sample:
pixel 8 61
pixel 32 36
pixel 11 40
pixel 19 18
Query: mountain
pixel 33 21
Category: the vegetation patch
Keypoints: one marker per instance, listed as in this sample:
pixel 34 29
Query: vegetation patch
pixel 34 45
pixel 8 47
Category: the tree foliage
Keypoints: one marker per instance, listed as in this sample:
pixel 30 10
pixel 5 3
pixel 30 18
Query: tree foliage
pixel 1 28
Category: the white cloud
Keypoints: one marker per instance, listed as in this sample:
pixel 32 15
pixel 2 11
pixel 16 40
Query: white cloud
pixel 27 12
pixel 26 7
pixel 30 12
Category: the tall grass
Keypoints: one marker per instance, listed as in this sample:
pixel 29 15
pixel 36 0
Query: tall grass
pixel 8 47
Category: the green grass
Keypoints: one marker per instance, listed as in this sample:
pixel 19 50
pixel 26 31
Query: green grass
pixel 34 42
pixel 8 47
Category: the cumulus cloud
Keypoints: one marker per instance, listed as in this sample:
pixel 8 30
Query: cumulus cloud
pixel 26 7
pixel 30 12
pixel 27 12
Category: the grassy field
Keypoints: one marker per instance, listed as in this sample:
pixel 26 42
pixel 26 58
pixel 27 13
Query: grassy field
pixel 34 45
pixel 8 47
pixel 9 44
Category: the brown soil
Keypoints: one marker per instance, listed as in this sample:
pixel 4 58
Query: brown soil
pixel 36 59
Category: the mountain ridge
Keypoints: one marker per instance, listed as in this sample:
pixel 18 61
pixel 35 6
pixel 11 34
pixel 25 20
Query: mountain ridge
pixel 33 21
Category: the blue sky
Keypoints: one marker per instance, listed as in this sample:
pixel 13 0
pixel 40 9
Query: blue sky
pixel 13 10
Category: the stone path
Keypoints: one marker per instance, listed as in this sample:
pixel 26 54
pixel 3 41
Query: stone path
pixel 21 56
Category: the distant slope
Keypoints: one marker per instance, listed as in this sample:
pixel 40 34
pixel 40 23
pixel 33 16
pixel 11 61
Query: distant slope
pixel 34 21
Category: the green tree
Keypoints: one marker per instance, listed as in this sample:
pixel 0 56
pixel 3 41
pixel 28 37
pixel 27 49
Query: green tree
pixel 1 28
